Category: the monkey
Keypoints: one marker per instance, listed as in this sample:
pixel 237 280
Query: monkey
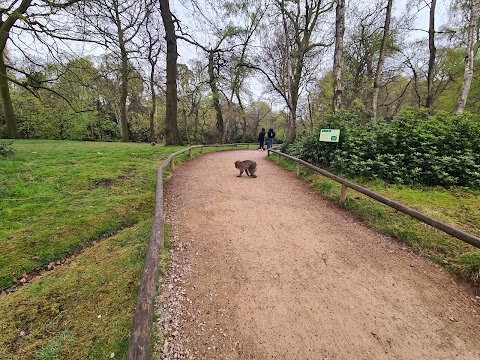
pixel 249 166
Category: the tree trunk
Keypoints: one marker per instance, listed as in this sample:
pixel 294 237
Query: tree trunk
pixel 310 113
pixel 295 89
pixel 172 134
pixel 124 73
pixel 216 95
pixel 153 110
pixel 5 27
pixel 381 58
pixel 242 114
pixel 433 51
pixel 195 134
pixel 8 113
pixel 338 55
pixel 123 97
pixel 288 71
pixel 469 58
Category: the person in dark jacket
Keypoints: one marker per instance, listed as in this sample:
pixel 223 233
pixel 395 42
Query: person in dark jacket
pixel 261 139
pixel 270 137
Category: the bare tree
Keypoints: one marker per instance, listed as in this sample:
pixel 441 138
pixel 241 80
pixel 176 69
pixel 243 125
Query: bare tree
pixel 289 49
pixel 432 51
pixel 225 62
pixel 116 24
pixel 153 50
pixel 381 59
pixel 469 58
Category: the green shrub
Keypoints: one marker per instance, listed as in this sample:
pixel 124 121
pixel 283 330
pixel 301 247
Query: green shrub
pixel 7 149
pixel 414 148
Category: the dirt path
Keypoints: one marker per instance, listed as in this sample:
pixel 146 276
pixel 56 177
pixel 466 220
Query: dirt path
pixel 266 269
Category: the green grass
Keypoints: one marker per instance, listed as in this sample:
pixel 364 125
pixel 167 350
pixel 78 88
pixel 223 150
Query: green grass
pixel 83 310
pixel 457 207
pixel 57 197
pixel 91 200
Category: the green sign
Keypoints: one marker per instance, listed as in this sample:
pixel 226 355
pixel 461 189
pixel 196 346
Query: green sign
pixel 329 135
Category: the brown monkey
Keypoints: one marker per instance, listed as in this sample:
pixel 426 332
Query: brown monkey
pixel 249 166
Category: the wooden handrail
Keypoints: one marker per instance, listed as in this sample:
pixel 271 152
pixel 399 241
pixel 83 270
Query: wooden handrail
pixel 139 343
pixel 461 235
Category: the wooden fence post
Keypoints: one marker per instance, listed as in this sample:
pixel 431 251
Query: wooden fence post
pixel 201 152
pixel 343 193
pixel 172 164
pixel 299 167
pixel 190 153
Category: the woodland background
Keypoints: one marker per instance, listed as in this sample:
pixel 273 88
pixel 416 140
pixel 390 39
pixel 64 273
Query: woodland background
pixel 95 70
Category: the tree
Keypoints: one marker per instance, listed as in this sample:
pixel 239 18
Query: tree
pixel 172 135
pixel 338 56
pixel 469 58
pixel 252 17
pixel 432 52
pixel 153 48
pixel 291 48
pixel 116 24
pixel 224 67
pixel 381 59
pixel 192 88
pixel 11 15
pixel 16 14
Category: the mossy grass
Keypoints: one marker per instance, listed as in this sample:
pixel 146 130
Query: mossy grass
pixel 56 197
pixel 458 207
pixel 92 200
pixel 82 310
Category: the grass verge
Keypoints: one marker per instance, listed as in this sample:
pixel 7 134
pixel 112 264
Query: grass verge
pixel 457 207
pixel 83 310
pixel 91 200
pixel 57 197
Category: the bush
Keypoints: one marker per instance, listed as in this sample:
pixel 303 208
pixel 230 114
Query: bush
pixel 7 149
pixel 414 148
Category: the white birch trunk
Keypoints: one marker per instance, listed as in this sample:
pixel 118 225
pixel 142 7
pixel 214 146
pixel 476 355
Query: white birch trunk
pixel 469 58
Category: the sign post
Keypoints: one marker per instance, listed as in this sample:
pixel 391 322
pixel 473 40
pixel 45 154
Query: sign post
pixel 329 135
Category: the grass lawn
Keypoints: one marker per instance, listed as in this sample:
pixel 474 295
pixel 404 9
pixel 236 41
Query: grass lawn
pixel 88 206
pixel 57 197
pixel 458 207
pixel 92 204
pixel 85 208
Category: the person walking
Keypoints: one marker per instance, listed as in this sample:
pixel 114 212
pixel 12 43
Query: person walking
pixel 270 137
pixel 261 139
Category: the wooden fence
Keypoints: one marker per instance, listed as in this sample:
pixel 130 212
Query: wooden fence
pixel 461 235
pixel 139 344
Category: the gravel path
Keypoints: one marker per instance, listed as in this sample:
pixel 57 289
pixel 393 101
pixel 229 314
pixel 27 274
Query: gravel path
pixel 266 269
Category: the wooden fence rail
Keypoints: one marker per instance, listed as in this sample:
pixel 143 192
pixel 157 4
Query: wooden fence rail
pixel 461 235
pixel 139 343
